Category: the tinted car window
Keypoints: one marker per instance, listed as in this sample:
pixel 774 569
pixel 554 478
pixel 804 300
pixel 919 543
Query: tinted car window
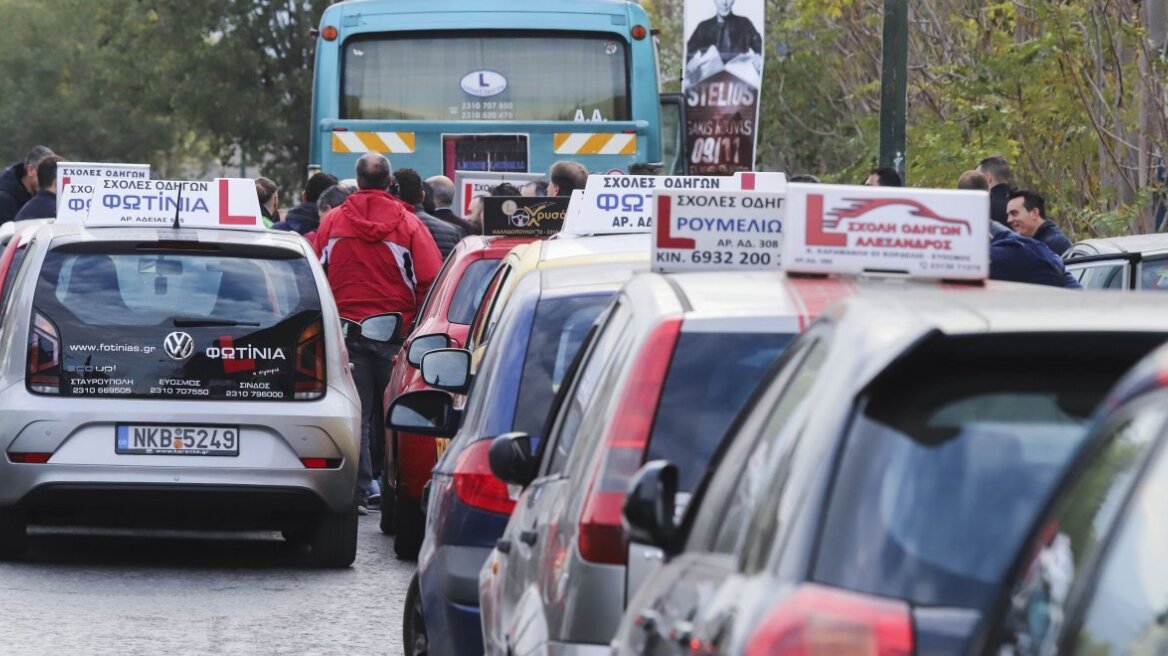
pixel 1064 544
pixel 587 380
pixel 120 322
pixel 709 380
pixel 1103 276
pixel 928 466
pixel 447 265
pixel 1154 275
pixel 1129 605
pixel 470 291
pixel 750 475
pixel 559 328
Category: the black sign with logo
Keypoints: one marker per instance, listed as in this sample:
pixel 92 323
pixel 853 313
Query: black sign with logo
pixel 523 216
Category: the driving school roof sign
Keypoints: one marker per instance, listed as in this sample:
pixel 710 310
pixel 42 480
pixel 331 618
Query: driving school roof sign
pixel 229 203
pixel 717 230
pixel 76 182
pixel 618 204
pixel 927 233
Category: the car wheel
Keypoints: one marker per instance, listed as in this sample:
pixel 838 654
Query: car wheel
pixel 388 511
pixel 13 534
pixel 409 524
pixel 334 539
pixel 414 637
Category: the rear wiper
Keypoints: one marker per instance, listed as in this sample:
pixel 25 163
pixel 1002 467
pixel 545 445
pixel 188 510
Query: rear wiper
pixel 198 322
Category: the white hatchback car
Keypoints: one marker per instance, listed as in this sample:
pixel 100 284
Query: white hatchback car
pixel 176 377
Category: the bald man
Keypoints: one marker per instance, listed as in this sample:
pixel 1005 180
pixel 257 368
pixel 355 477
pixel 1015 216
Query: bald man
pixel 379 258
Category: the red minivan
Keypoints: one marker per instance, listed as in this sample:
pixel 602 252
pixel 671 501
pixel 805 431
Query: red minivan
pixel 443 322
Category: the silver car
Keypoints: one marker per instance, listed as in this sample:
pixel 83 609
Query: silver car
pixel 186 377
pixel 1134 262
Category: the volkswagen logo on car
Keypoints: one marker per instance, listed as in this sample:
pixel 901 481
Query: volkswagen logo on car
pixel 179 345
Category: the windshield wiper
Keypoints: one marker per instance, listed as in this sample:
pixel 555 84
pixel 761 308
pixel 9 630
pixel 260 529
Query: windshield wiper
pixel 201 322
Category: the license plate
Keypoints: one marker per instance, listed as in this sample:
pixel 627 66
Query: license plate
pixel 160 440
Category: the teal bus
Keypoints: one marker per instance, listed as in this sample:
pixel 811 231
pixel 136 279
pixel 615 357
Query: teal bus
pixel 488 85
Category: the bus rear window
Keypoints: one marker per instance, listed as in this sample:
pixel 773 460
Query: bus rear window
pixel 486 76
pixel 176 325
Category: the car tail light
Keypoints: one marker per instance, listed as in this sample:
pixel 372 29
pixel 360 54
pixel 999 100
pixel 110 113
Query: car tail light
pixel 30 458
pixel 44 356
pixel 602 540
pixel 820 620
pixel 310 363
pixel 476 486
pixel 320 463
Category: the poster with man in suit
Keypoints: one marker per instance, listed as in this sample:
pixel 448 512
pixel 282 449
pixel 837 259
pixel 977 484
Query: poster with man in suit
pixel 723 75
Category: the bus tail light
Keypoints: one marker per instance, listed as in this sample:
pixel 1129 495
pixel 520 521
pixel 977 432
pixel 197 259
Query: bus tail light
pixel 44 356
pixel 639 32
pixel 818 620
pixel 601 537
pixel 329 33
pixel 310 364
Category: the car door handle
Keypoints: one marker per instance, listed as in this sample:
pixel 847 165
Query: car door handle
pixel 504 546
pixel 528 537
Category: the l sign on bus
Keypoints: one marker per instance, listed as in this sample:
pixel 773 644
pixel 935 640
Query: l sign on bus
pixel 484 84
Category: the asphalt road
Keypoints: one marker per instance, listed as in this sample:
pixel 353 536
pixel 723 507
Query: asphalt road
pixel 165 592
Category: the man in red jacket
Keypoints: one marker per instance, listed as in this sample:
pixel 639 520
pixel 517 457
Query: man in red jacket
pixel 379 258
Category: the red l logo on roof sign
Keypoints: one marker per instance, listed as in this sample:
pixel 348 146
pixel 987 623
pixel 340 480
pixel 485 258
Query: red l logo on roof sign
pixel 225 216
pixel 665 238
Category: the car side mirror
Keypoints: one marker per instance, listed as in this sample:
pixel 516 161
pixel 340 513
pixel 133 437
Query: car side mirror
pixel 511 459
pixel 382 327
pixel 648 511
pixel 447 369
pixel 424 412
pixel 423 344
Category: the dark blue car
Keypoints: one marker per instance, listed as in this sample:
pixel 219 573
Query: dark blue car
pixel 531 349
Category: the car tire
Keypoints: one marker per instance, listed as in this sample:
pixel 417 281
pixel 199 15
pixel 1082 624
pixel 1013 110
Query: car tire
pixel 13 534
pixel 414 637
pixel 388 510
pixel 410 525
pixel 334 540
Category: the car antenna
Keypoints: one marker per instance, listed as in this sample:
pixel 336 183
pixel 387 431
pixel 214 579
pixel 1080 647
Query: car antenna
pixel 177 206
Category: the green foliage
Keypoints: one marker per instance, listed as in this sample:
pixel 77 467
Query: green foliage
pixel 168 82
pixel 1055 87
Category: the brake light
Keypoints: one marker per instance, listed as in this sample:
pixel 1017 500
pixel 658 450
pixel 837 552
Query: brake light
pixel 476 486
pixel 601 537
pixel 320 463
pixel 820 620
pixel 30 458
pixel 44 356
pixel 310 382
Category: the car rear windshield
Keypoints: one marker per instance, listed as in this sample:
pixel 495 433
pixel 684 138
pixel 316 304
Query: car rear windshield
pixel 135 321
pixel 953 453
pixel 469 294
pixel 709 380
pixel 559 327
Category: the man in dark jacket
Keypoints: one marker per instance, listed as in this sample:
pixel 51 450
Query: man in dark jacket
pixel 997 174
pixel 1020 259
pixel 44 204
pixel 379 258
pixel 18 183
pixel 409 189
pixel 1026 214
pixel 443 202
pixel 305 218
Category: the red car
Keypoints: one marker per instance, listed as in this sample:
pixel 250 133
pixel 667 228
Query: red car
pixel 443 321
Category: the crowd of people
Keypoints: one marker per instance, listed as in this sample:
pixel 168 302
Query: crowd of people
pixel 382 238
pixel 1025 245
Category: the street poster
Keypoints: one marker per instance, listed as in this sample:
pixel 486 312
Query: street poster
pixel 722 82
